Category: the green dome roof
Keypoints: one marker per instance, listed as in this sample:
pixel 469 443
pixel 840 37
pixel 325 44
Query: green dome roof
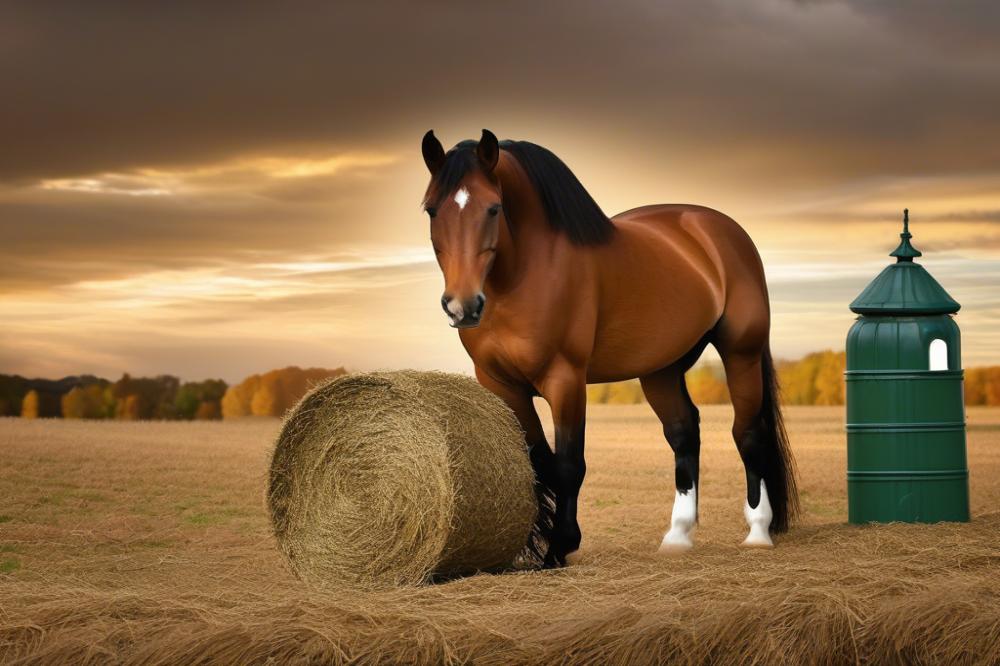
pixel 905 287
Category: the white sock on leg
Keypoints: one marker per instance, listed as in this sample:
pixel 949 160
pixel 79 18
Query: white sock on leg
pixel 682 521
pixel 759 520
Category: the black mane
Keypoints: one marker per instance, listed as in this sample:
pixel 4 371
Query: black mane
pixel 568 206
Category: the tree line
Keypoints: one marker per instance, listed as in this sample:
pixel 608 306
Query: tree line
pixel 163 397
pixel 815 379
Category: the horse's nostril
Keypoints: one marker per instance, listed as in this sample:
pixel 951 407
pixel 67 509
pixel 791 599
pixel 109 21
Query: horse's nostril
pixel 477 309
pixel 444 303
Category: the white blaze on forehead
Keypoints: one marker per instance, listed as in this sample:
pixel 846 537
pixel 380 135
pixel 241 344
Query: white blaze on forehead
pixel 462 198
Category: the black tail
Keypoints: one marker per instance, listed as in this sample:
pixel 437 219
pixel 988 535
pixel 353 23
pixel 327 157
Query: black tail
pixel 782 489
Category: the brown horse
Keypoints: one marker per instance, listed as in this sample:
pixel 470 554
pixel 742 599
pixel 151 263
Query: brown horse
pixel 550 294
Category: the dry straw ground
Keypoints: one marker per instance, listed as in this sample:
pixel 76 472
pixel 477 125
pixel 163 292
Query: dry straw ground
pixel 150 543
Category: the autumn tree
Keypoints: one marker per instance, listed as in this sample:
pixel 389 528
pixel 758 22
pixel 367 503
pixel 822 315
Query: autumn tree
pixel 625 393
pixel 92 401
pixel 815 379
pixel 199 400
pixel 209 410
pixel 992 386
pixel 706 384
pixel 129 408
pixel 829 379
pixel 40 405
pixel 274 392
pixel 146 397
pixel 975 386
pixel 270 397
pixel 29 406
pixel 597 393
pixel 236 401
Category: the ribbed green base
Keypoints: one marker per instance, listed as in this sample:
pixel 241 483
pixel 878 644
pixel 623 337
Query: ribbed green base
pixel 906 447
pixel 911 497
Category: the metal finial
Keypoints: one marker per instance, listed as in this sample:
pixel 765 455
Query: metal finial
pixel 905 251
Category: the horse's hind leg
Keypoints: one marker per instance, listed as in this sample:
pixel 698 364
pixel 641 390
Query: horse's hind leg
pixel 745 379
pixel 667 395
pixel 760 437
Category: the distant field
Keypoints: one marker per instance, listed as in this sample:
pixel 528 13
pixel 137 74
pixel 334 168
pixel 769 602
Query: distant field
pixel 148 542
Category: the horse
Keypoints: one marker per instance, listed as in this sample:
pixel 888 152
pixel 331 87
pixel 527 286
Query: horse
pixel 549 294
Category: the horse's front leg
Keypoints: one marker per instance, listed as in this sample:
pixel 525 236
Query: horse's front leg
pixel 565 389
pixel 519 399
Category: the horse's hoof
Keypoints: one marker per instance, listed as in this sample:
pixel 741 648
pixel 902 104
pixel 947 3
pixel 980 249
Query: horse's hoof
pixel 675 546
pixel 757 539
pixel 554 561
pixel 573 558
pixel 677 540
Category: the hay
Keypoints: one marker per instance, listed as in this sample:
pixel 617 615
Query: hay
pixel 133 578
pixel 393 478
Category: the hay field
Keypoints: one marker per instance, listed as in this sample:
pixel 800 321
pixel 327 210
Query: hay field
pixel 125 542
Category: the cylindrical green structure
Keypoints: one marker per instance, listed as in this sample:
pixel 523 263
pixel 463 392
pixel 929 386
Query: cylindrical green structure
pixel 905 399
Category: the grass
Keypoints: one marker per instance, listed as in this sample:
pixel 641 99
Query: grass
pixel 158 550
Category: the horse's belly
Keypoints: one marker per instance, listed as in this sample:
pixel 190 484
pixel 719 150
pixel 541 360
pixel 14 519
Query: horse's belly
pixel 651 322
pixel 645 346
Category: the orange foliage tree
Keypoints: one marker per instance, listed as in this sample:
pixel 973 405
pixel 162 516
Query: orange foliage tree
pixel 274 392
pixel 93 401
pixel 40 405
pixel 616 393
pixel 982 386
pixel 706 384
pixel 30 406
pixel 208 410
pixel 815 379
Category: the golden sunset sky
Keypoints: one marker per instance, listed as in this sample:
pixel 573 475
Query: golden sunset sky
pixel 211 189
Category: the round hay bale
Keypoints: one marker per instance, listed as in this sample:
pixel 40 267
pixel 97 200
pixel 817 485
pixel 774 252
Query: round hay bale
pixel 393 478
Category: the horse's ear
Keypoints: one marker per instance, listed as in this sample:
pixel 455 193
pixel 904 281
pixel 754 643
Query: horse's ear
pixel 488 151
pixel 433 152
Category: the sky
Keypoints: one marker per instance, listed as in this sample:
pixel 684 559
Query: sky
pixel 211 191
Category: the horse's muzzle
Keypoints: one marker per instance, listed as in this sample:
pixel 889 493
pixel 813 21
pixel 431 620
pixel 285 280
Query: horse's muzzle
pixel 464 315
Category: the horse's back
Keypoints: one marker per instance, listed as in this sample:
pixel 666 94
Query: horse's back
pixel 729 250
pixel 670 275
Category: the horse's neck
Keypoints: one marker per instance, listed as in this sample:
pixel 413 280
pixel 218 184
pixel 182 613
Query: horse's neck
pixel 527 243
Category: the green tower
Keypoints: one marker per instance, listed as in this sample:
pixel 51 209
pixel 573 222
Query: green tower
pixel 905 399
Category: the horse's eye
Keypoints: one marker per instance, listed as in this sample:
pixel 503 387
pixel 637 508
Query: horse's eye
pixel 494 210
pixel 432 211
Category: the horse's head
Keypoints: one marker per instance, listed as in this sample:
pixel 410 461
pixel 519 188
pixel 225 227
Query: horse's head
pixel 463 201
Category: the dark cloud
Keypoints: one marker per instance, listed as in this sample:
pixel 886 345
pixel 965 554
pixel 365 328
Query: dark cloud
pixel 809 88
